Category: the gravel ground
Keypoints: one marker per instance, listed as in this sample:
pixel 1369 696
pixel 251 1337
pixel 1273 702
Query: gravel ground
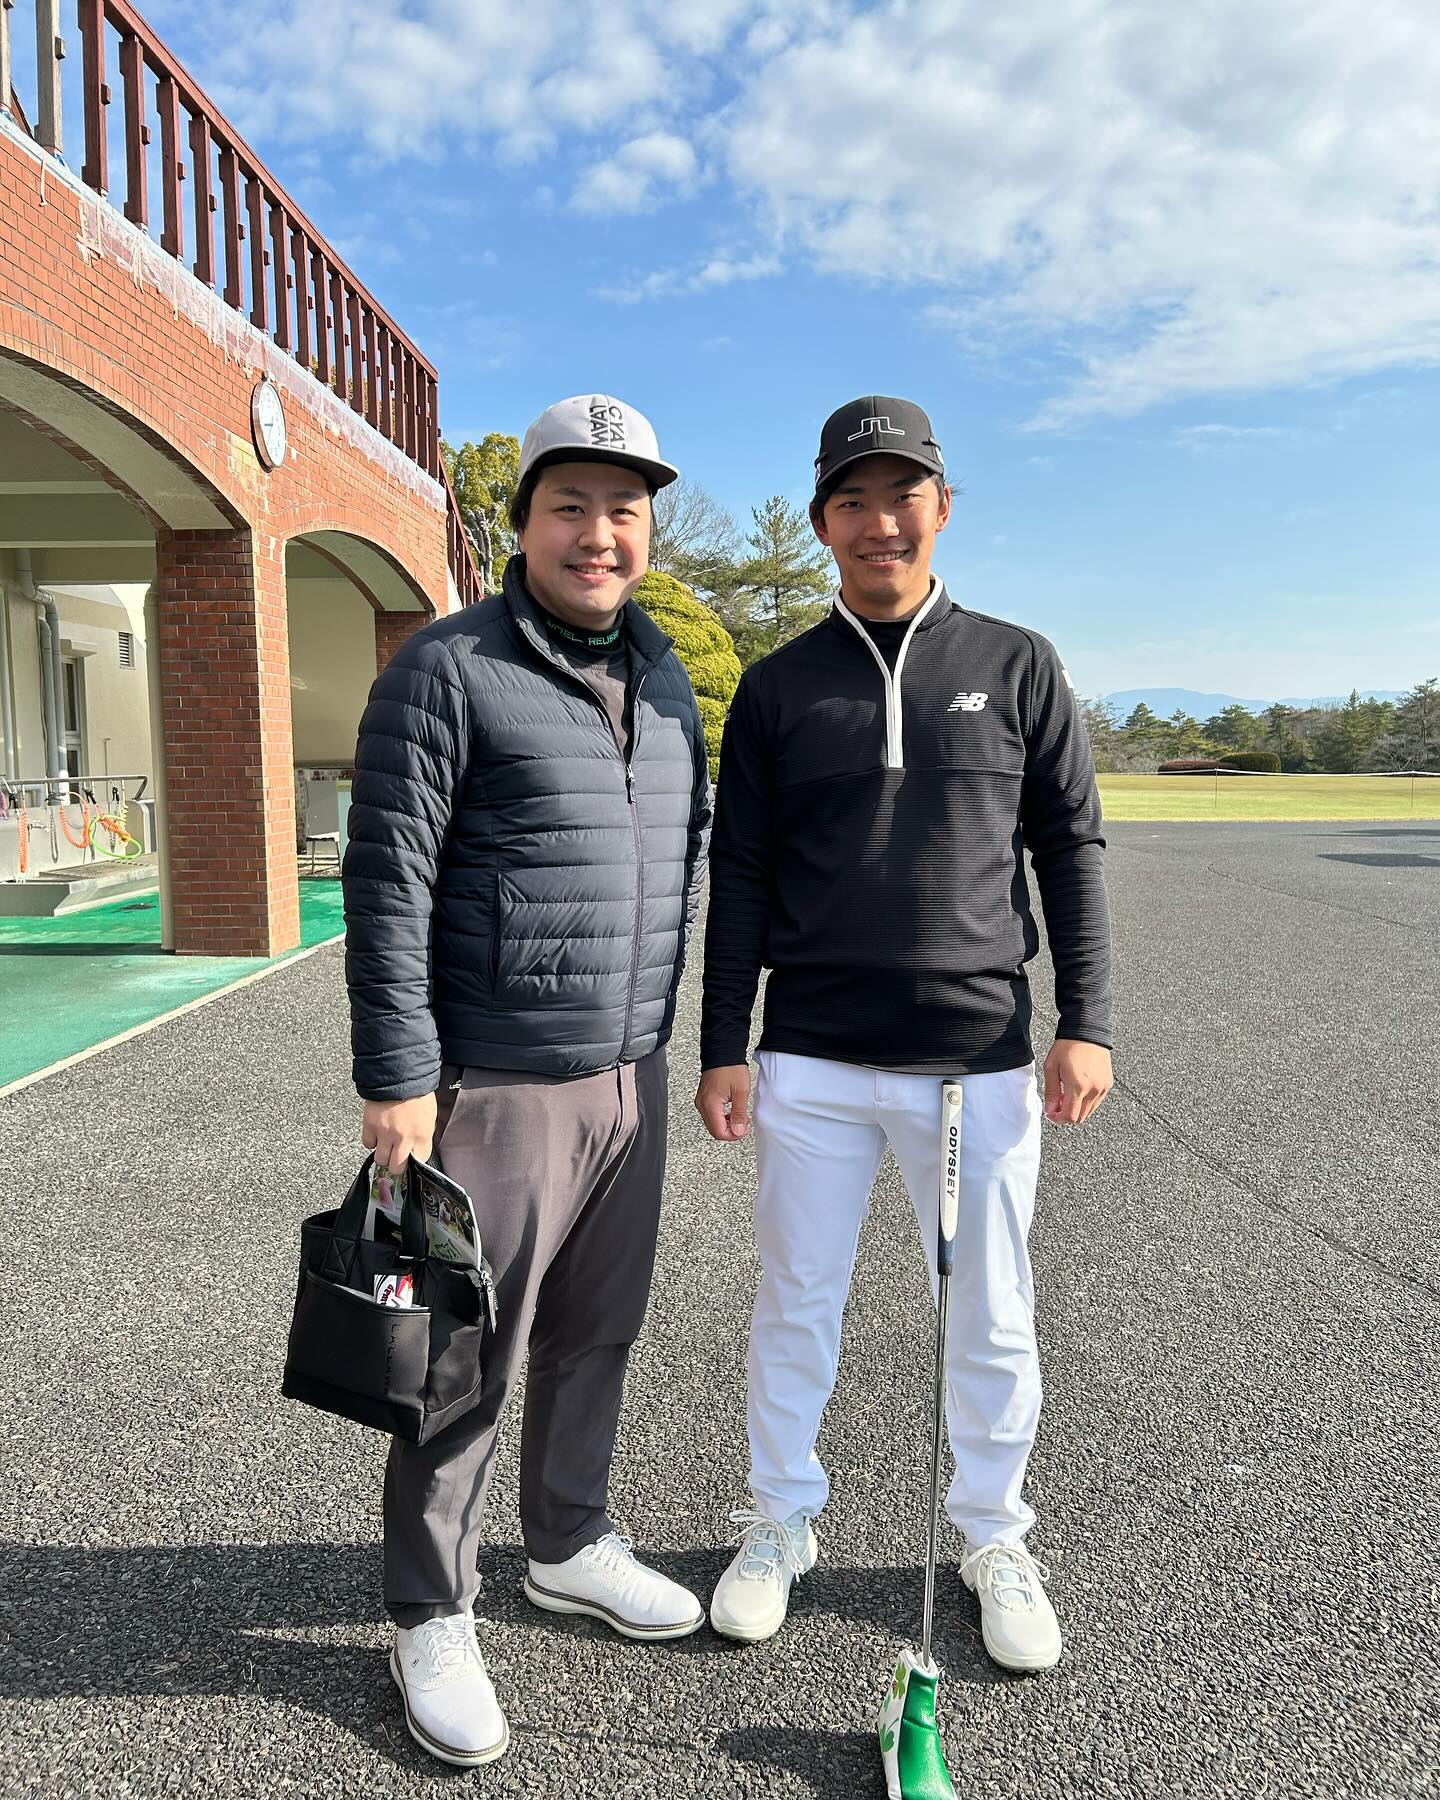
pixel 1239 1280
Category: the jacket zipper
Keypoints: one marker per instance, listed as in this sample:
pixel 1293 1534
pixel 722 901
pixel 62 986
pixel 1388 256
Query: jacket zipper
pixel 894 712
pixel 627 758
pixel 639 859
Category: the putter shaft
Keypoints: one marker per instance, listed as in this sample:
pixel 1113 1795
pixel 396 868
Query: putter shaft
pixel 937 1437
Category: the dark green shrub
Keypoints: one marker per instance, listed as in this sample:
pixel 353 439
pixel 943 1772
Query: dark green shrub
pixel 1253 762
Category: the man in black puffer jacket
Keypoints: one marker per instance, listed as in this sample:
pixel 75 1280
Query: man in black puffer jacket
pixel 527 847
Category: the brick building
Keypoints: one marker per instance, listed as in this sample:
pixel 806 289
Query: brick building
pixel 198 396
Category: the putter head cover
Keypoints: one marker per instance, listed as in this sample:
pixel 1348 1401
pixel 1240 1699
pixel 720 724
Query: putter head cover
pixel 910 1749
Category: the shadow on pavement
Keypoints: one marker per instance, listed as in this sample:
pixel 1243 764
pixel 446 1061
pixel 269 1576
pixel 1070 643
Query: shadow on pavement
pixel 205 1619
pixel 1384 831
pixel 835 1765
pixel 96 949
pixel 1383 859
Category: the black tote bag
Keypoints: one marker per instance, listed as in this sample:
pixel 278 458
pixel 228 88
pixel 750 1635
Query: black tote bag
pixel 408 1370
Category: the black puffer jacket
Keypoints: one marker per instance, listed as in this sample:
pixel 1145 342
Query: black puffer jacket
pixel 517 894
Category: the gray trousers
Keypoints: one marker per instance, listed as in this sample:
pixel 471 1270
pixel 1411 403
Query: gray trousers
pixel 565 1177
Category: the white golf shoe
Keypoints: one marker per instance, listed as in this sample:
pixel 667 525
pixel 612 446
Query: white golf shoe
pixel 605 1581
pixel 753 1594
pixel 450 1705
pixel 1017 1621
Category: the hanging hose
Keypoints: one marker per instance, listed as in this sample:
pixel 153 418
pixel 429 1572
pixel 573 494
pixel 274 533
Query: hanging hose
pixel 83 840
pixel 118 835
pixel 23 820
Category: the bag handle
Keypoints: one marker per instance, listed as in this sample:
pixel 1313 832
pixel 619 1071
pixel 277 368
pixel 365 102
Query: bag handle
pixel 349 1226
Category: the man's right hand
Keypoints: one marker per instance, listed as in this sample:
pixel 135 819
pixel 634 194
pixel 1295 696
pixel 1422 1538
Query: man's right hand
pixel 723 1102
pixel 396 1130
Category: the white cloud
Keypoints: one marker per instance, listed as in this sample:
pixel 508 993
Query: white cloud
pixel 715 271
pixel 1192 200
pixel 636 176
pixel 1160 201
pixel 1230 437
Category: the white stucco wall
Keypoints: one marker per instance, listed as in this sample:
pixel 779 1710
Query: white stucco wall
pixel 116 700
pixel 332 665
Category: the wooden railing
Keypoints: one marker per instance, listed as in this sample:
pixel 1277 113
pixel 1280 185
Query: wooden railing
pixel 266 259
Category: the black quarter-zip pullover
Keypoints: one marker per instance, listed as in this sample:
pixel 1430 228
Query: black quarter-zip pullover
pixel 868 849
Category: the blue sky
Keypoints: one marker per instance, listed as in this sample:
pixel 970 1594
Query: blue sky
pixel 1167 279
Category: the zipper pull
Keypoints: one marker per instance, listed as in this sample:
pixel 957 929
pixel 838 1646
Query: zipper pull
pixel 629 784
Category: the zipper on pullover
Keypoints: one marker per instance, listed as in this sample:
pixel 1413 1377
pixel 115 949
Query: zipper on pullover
pixel 894 700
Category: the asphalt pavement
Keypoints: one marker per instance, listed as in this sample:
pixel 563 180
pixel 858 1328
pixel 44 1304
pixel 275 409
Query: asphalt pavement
pixel 1236 1478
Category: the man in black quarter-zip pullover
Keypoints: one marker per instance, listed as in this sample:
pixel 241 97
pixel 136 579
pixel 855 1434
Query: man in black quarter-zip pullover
pixel 527 846
pixel 880 777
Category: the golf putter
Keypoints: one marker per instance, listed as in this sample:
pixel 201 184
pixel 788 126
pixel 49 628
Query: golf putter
pixel 910 1748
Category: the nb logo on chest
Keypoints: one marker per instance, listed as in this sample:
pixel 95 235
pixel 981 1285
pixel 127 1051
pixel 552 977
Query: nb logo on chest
pixel 968 703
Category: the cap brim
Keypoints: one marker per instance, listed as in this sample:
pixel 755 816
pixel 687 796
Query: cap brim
pixel 860 456
pixel 660 474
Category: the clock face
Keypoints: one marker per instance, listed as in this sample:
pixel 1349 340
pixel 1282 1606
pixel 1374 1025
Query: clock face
pixel 267 422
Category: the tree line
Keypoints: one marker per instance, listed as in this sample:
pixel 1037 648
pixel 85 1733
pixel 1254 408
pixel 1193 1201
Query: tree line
pixel 1360 736
pixel 772 581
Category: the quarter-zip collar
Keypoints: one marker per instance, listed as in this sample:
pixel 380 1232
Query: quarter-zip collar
pixel 935 607
pixel 648 643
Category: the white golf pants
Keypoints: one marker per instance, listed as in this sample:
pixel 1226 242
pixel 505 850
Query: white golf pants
pixel 820 1134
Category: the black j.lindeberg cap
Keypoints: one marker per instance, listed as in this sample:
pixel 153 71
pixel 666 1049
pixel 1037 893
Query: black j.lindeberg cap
pixel 876 426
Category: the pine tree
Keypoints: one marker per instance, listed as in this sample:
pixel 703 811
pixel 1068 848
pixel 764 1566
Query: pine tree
pixel 1413 741
pixel 774 594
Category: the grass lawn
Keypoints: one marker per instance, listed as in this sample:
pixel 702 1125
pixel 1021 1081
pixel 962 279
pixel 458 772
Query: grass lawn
pixel 1269 797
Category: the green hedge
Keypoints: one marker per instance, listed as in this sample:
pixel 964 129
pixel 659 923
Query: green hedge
pixel 704 646
pixel 1258 762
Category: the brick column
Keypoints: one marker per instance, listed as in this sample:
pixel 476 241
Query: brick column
pixel 391 631
pixel 224 658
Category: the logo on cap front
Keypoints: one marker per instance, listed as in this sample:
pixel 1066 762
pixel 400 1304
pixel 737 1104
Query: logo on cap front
pixel 875 426
pixel 607 423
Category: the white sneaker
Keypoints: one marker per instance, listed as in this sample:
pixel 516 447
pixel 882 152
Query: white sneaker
pixel 605 1581
pixel 450 1706
pixel 752 1595
pixel 1017 1621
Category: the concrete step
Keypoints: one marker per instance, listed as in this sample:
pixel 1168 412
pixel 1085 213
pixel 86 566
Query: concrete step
pixel 56 891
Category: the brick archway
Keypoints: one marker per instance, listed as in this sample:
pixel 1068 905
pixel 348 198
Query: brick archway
pixel 117 350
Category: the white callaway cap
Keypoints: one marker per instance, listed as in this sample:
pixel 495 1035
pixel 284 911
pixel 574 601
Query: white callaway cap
pixel 595 428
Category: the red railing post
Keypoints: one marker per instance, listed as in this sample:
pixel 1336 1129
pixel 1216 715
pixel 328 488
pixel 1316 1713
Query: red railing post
pixel 357 353
pixel 95 171
pixel 372 370
pixel 233 232
pixel 320 276
pixel 7 58
pixel 337 327
pixel 383 377
pixel 397 398
pixel 280 268
pixel 259 255
pixel 49 49
pixel 137 132
pixel 411 439
pixel 300 257
pixel 172 170
pixel 201 145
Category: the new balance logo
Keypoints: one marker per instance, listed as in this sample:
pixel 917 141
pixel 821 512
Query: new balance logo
pixel 968 703
pixel 875 427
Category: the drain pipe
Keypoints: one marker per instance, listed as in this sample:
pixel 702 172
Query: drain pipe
pixel 48 624
pixel 157 765
pixel 7 708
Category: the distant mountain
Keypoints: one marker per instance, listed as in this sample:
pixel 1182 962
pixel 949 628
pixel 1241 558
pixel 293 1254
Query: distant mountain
pixel 1165 701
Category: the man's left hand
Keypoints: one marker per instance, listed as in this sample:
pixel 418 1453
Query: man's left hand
pixel 1078 1076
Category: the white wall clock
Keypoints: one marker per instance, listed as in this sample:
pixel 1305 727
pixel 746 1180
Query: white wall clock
pixel 267 423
